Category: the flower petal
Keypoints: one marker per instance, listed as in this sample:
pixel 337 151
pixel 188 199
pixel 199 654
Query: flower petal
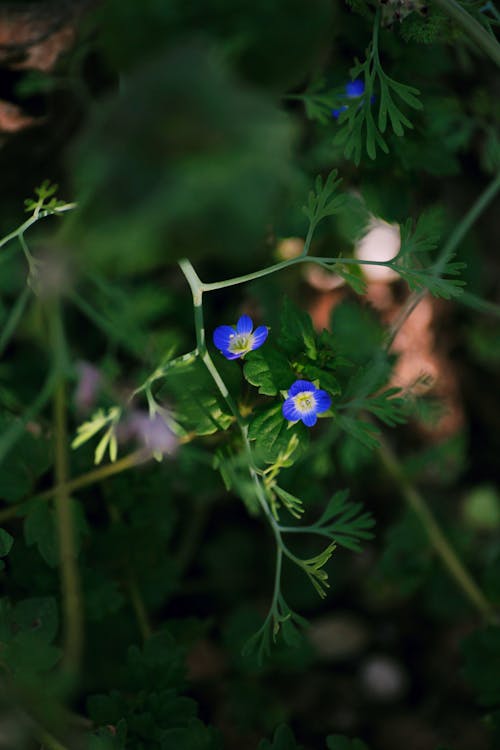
pixel 355 88
pixel 309 419
pixel 232 355
pixel 290 411
pixel 299 386
pixel 221 337
pixel 323 401
pixel 244 324
pixel 259 336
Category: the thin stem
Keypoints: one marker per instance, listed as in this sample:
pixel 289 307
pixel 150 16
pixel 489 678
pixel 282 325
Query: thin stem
pixel 90 477
pixel 49 742
pixel 475 32
pixel 454 240
pixel 211 287
pixel 33 220
pixel 139 608
pixel 70 579
pixel 197 289
pixel 14 318
pixel 438 540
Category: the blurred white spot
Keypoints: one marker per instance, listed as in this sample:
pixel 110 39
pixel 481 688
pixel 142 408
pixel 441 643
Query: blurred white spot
pixel 381 242
pixel 383 678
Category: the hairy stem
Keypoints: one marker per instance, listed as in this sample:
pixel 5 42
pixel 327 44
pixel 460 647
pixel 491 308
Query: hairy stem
pixel 438 540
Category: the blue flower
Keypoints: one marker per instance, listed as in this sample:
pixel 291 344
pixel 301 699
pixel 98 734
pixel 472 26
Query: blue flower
pixel 236 342
pixel 353 90
pixel 305 402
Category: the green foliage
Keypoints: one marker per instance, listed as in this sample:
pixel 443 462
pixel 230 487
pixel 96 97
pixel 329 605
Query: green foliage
pixel 422 239
pixel 186 140
pixel 40 529
pixel 6 542
pixel 481 654
pixel 143 200
pixel 198 405
pixel 323 201
pixel 45 201
pixel 269 370
pixel 343 522
pixel 272 435
pixel 27 633
pixel 283 740
pixel 297 332
pixel 358 126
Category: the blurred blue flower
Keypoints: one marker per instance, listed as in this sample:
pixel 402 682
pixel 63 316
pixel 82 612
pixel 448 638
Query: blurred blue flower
pixel 305 402
pixel 353 90
pixel 236 342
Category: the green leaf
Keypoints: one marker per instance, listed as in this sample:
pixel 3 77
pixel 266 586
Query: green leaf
pixel 481 654
pixel 327 381
pixel 198 406
pixel 344 523
pixel 323 201
pixel 365 432
pixel 293 504
pixel 152 188
pixel 27 630
pixel 268 369
pixel 296 331
pixel 6 542
pixel 272 434
pixel 283 740
pixel 40 529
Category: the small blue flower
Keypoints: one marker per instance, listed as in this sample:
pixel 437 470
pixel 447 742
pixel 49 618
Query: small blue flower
pixel 236 342
pixel 353 90
pixel 305 402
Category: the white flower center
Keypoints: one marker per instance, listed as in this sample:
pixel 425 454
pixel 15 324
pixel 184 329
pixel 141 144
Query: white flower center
pixel 240 342
pixel 305 401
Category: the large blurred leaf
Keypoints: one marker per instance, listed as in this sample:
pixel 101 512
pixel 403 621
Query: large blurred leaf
pixel 183 161
pixel 275 44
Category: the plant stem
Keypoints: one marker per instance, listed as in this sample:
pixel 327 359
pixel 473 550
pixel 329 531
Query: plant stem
pixel 438 540
pixel 90 477
pixel 325 262
pixel 139 608
pixel 70 580
pixel 14 318
pixel 475 32
pixel 33 220
pixel 449 247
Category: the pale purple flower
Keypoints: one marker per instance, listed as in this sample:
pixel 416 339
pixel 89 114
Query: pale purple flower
pixel 87 387
pixel 152 433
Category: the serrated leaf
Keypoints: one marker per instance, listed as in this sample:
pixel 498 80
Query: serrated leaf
pixel 272 434
pixel 365 432
pixel 296 331
pixel 327 380
pixel 269 370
